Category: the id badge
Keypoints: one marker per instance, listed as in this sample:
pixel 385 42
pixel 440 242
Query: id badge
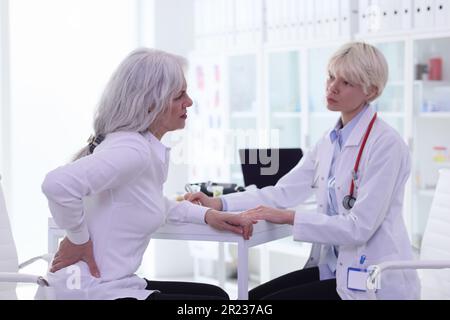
pixel 357 279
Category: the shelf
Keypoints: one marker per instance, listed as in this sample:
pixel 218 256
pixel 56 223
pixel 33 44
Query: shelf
pixel 431 83
pixel 239 114
pixel 426 192
pixel 434 115
pixel 286 114
pixel 391 114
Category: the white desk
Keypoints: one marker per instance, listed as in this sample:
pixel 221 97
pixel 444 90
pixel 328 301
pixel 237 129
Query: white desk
pixel 262 232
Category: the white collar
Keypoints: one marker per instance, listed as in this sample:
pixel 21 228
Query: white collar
pixel 157 146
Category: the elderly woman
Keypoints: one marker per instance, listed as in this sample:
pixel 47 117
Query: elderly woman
pixel 110 198
pixel 357 172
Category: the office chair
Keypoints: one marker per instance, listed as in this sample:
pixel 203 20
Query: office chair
pixel 9 264
pixel 435 251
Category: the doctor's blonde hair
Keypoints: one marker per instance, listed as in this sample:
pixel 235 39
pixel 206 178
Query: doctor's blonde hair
pixel 139 91
pixel 361 64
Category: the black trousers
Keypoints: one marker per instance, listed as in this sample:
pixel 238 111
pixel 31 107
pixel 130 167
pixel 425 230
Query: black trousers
pixel 298 285
pixel 172 290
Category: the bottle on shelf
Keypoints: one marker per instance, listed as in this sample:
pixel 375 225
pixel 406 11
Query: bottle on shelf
pixel 440 155
pixel 435 69
pixel 420 70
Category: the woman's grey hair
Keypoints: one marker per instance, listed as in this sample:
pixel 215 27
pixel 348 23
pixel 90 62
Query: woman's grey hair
pixel 361 63
pixel 139 91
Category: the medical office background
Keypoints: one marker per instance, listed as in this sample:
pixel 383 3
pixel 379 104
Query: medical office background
pixel 257 70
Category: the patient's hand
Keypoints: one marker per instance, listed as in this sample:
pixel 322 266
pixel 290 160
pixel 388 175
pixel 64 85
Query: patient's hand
pixel 237 223
pixel 70 253
pixel 279 216
pixel 204 200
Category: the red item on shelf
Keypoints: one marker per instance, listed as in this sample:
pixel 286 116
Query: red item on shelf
pixel 435 69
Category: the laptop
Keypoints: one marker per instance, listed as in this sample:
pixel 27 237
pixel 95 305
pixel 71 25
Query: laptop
pixel 264 167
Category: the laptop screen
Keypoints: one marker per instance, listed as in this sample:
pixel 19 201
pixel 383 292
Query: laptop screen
pixel 264 167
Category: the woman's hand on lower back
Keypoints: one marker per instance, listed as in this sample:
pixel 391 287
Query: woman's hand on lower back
pixel 69 253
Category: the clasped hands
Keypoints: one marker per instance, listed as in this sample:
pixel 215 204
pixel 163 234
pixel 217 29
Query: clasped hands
pixel 241 223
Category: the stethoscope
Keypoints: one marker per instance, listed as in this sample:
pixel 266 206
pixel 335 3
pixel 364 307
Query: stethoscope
pixel 349 200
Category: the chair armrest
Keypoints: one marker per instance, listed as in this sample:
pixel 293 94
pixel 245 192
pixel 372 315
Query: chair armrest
pixel 23 278
pixel 46 257
pixel 375 270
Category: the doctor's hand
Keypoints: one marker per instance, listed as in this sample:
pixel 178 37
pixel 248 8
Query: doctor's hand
pixel 278 216
pixel 236 223
pixel 204 200
pixel 70 253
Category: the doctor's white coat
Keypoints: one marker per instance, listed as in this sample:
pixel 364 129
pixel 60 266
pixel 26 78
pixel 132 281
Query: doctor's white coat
pixel 374 227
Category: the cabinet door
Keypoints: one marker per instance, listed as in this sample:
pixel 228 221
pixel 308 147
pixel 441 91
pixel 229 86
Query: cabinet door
pixel 320 118
pixel 391 104
pixel 242 83
pixel 284 98
pixel 244 110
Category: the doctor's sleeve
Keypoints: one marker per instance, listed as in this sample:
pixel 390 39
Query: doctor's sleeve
pixel 291 190
pixel 66 186
pixel 386 173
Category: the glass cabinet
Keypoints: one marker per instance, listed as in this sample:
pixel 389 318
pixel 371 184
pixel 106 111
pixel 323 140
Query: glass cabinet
pixel 242 83
pixel 320 118
pixel 431 125
pixel 391 104
pixel 242 93
pixel 283 83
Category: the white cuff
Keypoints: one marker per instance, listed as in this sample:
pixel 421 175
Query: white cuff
pixel 224 204
pixel 196 214
pixel 79 236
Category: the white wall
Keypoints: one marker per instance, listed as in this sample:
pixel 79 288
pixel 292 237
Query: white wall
pixel 62 53
pixel 4 96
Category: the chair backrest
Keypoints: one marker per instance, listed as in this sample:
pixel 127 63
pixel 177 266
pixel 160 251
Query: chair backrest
pixel 8 252
pixel 436 241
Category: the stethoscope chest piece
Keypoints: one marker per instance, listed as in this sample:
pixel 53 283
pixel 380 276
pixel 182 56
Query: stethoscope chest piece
pixel 348 202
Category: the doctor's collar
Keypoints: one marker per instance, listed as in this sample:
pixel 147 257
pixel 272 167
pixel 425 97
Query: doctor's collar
pixel 344 132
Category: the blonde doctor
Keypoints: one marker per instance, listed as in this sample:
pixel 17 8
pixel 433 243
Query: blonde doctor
pixel 357 172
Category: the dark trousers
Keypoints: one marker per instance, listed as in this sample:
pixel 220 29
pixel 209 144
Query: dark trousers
pixel 171 290
pixel 298 285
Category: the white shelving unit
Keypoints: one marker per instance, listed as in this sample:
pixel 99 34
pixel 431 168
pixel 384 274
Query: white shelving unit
pixel 431 120
pixel 291 58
